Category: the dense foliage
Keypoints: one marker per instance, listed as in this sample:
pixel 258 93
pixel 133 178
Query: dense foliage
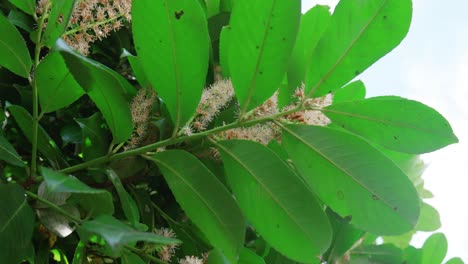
pixel 217 131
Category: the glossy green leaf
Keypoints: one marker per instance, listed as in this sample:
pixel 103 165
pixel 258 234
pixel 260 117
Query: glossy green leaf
pixel 274 257
pixel 455 261
pixel 95 140
pixel 217 257
pixel 80 253
pixel 353 91
pixel 45 144
pixel 108 90
pixel 131 258
pixel 413 255
pixel 56 86
pixel 262 36
pixel 248 257
pixel 204 199
pixel 429 220
pixel 9 154
pixel 377 254
pixel 172 42
pixel 353 178
pixel 27 6
pixel 92 200
pixel 212 7
pixel 57 22
pixel 21 20
pixel 50 218
pixel 14 54
pixel 359 33
pixel 117 234
pixel 224 43
pixel 345 236
pixel 16 224
pixel 434 249
pixel 395 123
pixel 401 241
pixel 137 68
pixel 313 23
pixel 129 206
pixel 275 200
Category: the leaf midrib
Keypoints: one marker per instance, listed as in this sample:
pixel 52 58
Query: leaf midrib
pixel 268 192
pixel 387 122
pixel 25 68
pixel 259 59
pixel 207 204
pixel 17 211
pixel 12 154
pixel 350 47
pixel 383 201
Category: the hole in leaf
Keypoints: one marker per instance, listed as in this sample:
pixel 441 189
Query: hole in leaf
pixel 179 14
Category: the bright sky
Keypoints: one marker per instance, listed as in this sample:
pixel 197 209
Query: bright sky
pixel 431 66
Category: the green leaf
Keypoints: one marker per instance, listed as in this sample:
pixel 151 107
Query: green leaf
pixel 216 257
pixel 275 257
pixel 16 224
pixel 401 241
pixel 373 254
pixel 27 6
pixel 395 123
pixel 9 154
pixel 434 249
pixel 80 253
pixel 54 221
pixel 14 54
pixel 131 258
pixel 60 13
pixel 21 20
pixel 117 234
pixel 262 36
pixel 275 200
pixel 455 261
pixel 212 7
pixel 413 255
pixel 172 42
pixel 56 86
pixel 248 257
pixel 359 33
pixel 204 199
pixel 128 204
pixel 70 134
pixel 45 144
pixel 108 90
pixel 345 236
pixel 94 201
pixel 353 178
pixel 429 220
pixel 313 23
pixel 137 68
pixel 95 138
pixel 353 91
pixel 224 43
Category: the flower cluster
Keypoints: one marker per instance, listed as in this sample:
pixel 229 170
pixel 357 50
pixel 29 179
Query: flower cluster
pixel 191 260
pixel 166 252
pixel 92 20
pixel 310 117
pixel 214 98
pixel 141 108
